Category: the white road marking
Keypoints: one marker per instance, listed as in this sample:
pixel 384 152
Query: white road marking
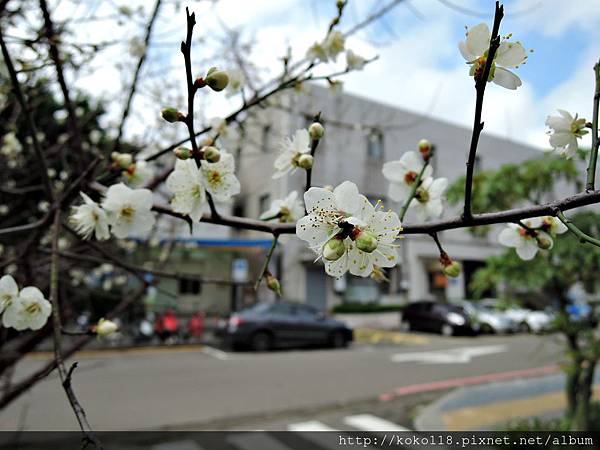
pixel 311 425
pixel 449 356
pixel 369 422
pixel 253 441
pixel 215 353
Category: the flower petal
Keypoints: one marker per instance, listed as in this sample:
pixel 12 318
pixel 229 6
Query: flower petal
pixel 347 198
pixel 506 79
pixel 510 54
pixel 478 39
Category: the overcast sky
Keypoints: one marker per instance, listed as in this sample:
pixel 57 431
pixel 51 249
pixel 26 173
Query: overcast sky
pixel 420 67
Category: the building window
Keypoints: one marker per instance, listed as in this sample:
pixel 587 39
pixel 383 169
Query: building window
pixel 190 287
pixel 264 203
pixel 375 145
pixel 266 138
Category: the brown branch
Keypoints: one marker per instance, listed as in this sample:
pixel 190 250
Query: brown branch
pixel 136 75
pixel 43 164
pixel 57 335
pixel 314 143
pixel 52 39
pixel 480 83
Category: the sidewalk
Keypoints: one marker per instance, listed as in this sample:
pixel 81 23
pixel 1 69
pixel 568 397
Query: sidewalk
pixel 489 406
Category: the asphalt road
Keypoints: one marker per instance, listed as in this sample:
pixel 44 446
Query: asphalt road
pixel 197 388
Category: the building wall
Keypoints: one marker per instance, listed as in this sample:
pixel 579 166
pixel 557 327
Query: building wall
pixel 342 155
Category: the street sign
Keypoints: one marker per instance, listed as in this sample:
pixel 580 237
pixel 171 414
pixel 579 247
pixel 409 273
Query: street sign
pixel 239 270
pixel 450 356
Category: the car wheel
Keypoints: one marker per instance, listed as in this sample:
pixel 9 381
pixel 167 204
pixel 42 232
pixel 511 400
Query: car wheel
pixel 338 339
pixel 486 328
pixel 261 341
pixel 447 330
pixel 524 327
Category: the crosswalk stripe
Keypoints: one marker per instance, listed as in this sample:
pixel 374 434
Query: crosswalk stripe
pixel 369 422
pixel 253 441
pixel 310 425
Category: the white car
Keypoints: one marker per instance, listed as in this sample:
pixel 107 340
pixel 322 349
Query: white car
pixel 527 320
pixel 488 319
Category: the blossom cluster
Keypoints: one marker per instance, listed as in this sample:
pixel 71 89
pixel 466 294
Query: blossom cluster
pixel 537 233
pixel 413 173
pixel 22 309
pixel 190 183
pixel 344 229
pixel 123 212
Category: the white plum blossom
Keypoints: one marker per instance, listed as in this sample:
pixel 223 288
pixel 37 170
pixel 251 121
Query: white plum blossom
pixel 509 54
pixel 327 50
pixel 219 177
pixel 89 219
pixel 534 236
pixel 30 310
pixel 428 201
pixel 106 327
pixel 354 61
pixel 287 210
pixel 9 291
pixel 186 183
pixel 138 174
pixel 129 210
pixel 317 52
pixel 290 152
pixel 334 44
pixel 345 230
pixel 403 173
pixel 564 132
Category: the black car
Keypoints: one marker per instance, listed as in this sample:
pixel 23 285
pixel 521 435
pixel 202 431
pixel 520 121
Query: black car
pixel 268 325
pixel 439 317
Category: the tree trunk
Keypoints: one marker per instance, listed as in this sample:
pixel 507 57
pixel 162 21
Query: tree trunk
pixel 581 418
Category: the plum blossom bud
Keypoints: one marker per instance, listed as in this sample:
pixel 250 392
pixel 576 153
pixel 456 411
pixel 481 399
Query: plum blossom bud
pixel 316 131
pixel 172 115
pixel 216 79
pixel 273 283
pixel 211 154
pixel 305 161
pixel 425 149
pixel 543 243
pixel 123 160
pixel 452 270
pixel 366 241
pixel 105 327
pixel 334 249
pixel 182 153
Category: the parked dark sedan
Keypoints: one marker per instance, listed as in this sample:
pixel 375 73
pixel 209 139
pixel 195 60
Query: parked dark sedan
pixel 439 317
pixel 269 325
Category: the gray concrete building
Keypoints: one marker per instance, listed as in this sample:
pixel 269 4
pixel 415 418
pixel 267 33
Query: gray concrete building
pixel 360 136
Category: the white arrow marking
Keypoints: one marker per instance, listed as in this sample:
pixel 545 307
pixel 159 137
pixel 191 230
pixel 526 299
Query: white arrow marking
pixel 450 356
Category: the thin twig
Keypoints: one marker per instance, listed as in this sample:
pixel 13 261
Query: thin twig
pixel 43 164
pixel 583 238
pixel 314 143
pixel 415 186
pixel 265 266
pixel 480 83
pixel 57 327
pixel 591 170
pixel 136 75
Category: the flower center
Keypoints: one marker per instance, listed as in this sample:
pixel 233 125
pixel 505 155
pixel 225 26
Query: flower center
pixel 214 178
pixel 127 211
pixel 410 177
pixel 422 195
pixel 196 191
pixel 33 308
pixel 284 214
pixel 6 300
pixel 527 234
